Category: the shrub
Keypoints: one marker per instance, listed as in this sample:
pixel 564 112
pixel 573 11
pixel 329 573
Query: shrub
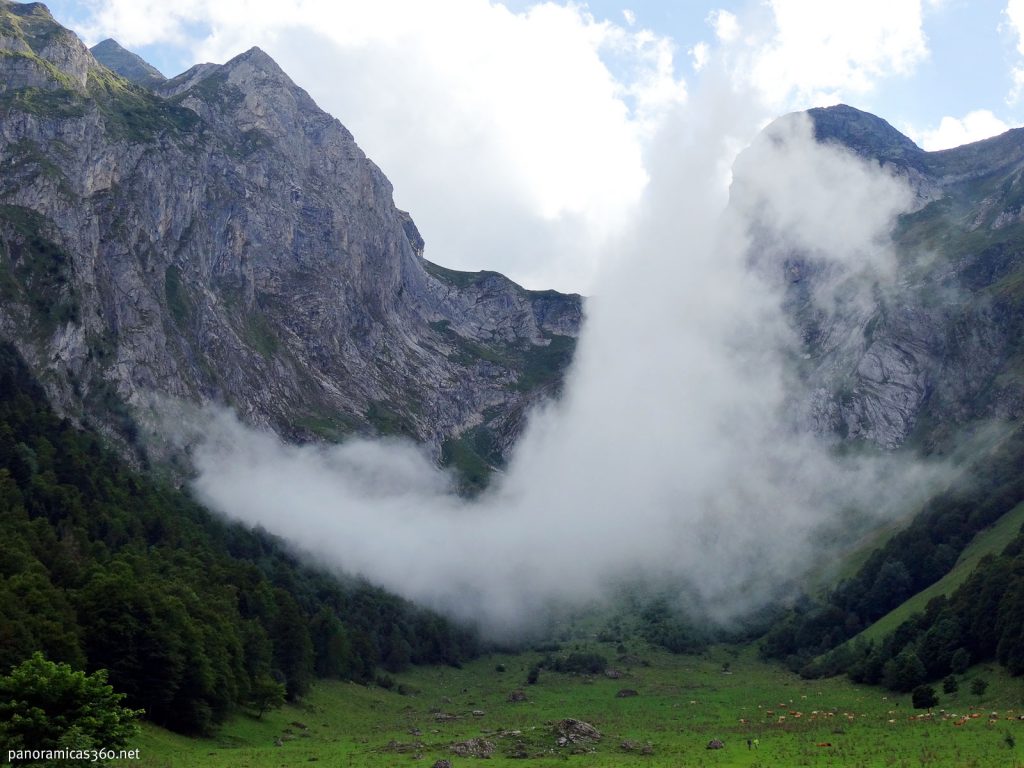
pixel 44 705
pixel 924 697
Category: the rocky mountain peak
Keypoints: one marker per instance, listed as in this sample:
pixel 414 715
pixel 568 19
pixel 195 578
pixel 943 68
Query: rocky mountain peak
pixel 42 53
pixel 862 132
pixel 260 61
pixel 219 238
pixel 252 93
pixel 129 65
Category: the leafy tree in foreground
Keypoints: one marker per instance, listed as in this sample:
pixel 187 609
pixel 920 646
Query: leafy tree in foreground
pixel 44 705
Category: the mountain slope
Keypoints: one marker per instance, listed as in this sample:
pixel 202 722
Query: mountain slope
pixel 224 240
pixel 128 65
pixel 937 349
pixel 928 359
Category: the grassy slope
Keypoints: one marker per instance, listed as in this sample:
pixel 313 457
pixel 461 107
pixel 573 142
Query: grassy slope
pixel 990 541
pixel 683 702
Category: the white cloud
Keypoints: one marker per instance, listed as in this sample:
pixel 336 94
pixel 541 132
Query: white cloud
pixel 954 131
pixel 824 52
pixel 629 16
pixel 1015 16
pixel 725 24
pixel 515 139
pixel 1014 13
pixel 700 53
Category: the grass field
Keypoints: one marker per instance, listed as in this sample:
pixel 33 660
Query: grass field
pixel 683 702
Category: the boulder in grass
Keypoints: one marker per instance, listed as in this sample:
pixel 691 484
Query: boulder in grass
pixel 626 693
pixel 716 744
pixel 576 731
pixel 473 748
pixel 517 696
pixel 443 764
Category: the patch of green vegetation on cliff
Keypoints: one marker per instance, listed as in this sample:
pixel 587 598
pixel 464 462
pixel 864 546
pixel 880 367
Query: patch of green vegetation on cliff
pixel 28 156
pixel 45 102
pixel 178 301
pixel 384 418
pixel 259 334
pixel 332 426
pixel 32 23
pixel 535 365
pixel 545 365
pixel 473 456
pixel 456 277
pixel 133 113
pixel 36 270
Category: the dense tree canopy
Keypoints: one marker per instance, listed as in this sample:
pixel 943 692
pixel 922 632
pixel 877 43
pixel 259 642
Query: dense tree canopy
pixel 977 623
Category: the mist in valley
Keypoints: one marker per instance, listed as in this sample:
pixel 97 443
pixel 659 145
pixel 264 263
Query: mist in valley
pixel 676 457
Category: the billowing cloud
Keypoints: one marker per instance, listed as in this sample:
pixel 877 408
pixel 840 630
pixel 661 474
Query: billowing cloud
pixel 824 52
pixel 669 461
pixel 955 131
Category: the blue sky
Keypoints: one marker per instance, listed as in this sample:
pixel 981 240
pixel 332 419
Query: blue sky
pixel 540 118
pixel 971 53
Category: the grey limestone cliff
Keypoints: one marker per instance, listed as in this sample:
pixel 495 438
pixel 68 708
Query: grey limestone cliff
pixel 219 238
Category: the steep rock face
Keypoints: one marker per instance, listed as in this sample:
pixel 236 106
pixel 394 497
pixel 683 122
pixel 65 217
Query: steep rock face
pixel 938 346
pixel 223 239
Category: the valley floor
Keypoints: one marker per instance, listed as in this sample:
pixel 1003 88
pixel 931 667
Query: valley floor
pixel 682 703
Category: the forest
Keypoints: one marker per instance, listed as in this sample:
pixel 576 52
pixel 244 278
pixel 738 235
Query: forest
pixel 103 567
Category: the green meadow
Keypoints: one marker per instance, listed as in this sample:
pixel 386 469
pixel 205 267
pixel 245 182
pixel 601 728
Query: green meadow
pixel 682 703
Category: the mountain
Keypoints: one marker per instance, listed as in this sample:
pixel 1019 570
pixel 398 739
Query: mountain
pixel 928 359
pixel 128 65
pixel 222 239
pixel 937 350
